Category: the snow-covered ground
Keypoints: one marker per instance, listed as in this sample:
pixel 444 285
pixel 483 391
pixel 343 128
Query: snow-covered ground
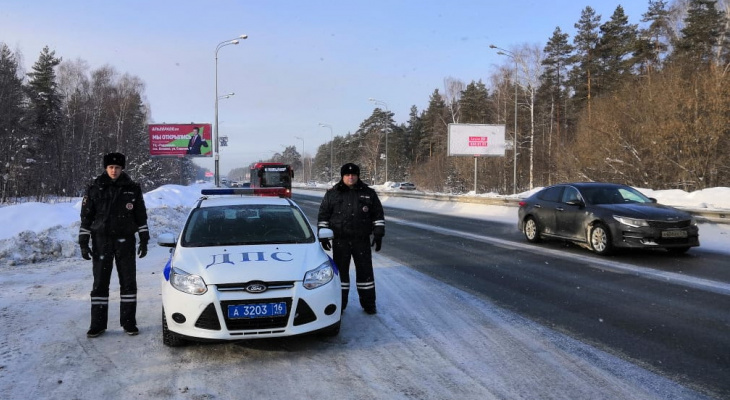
pixel 478 352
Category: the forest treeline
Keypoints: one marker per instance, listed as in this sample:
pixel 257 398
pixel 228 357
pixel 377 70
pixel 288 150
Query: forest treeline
pixel 58 120
pixel 646 106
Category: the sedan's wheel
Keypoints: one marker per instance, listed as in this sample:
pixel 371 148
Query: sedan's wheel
pixel 170 338
pixel 600 239
pixel 332 330
pixel 532 232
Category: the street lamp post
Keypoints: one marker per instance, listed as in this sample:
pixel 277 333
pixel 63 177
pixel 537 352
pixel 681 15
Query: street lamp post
pixel 332 151
pixel 216 156
pixel 304 165
pixel 385 127
pixel 511 55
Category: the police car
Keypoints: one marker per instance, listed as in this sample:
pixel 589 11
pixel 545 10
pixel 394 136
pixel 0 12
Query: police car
pixel 246 265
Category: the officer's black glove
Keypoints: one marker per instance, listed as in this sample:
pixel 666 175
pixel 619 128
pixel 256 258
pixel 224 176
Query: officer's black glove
pixel 142 251
pixel 86 252
pixel 326 244
pixel 377 242
pixel 85 249
pixel 378 233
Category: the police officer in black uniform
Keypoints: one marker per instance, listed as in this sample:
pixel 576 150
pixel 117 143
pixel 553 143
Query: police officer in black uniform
pixel 112 211
pixel 353 211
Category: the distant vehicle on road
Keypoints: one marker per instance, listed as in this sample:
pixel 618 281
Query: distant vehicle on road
pixel 407 186
pixel 605 216
pixel 268 175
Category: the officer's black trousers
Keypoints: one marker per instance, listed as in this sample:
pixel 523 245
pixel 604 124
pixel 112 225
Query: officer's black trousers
pixel 106 251
pixel 358 249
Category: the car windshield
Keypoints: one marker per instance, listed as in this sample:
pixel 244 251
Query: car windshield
pixel 246 224
pixel 613 195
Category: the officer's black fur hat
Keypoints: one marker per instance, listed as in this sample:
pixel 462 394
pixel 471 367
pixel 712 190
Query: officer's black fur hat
pixel 114 159
pixel 349 168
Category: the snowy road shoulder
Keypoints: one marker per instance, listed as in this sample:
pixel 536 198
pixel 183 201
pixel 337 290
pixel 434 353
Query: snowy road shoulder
pixel 428 341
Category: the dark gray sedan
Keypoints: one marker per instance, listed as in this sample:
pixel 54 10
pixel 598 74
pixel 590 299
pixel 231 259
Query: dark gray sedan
pixel 605 216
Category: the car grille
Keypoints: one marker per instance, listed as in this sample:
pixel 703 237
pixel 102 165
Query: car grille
pixel 256 323
pixel 241 286
pixel 670 224
pixel 208 319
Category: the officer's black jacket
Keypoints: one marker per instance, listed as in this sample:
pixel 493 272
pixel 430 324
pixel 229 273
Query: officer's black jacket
pixel 351 213
pixel 113 208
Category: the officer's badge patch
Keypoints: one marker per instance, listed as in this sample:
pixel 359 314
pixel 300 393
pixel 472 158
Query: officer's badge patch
pixel 130 206
pixel 365 209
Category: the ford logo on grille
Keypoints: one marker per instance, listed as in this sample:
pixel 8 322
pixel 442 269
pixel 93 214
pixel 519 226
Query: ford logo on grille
pixel 256 287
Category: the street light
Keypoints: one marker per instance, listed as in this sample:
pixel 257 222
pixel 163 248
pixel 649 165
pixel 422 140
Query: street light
pixel 226 96
pixel 304 165
pixel 385 127
pixel 332 144
pixel 216 155
pixel 511 55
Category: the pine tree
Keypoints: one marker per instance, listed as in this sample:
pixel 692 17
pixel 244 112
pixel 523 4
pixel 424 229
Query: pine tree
pixel 653 41
pixel 615 51
pixel 558 58
pixel 585 60
pixel 474 104
pixel 11 125
pixel 704 25
pixel 45 140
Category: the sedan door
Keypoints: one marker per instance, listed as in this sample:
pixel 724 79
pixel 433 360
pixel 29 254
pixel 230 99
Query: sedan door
pixel 545 209
pixel 570 215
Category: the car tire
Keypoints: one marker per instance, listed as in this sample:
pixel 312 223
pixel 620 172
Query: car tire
pixel 600 239
pixel 170 338
pixel 531 230
pixel 332 330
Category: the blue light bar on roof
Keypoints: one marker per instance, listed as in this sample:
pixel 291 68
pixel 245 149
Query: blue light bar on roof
pixel 273 191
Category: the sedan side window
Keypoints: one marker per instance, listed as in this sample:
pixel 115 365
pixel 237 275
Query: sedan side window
pixel 552 194
pixel 570 194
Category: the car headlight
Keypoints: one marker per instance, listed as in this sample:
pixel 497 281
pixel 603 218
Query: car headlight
pixel 187 283
pixel 319 276
pixel 632 222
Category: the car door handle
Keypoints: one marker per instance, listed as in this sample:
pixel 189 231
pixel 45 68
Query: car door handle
pixel 560 208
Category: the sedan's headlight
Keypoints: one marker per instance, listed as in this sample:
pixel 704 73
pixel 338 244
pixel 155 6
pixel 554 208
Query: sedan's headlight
pixel 187 283
pixel 319 276
pixel 632 222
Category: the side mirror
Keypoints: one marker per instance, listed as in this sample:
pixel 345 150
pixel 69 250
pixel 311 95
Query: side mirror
pixel 326 233
pixel 166 240
pixel 653 200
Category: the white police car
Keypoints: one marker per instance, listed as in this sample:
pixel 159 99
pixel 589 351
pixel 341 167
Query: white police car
pixel 247 266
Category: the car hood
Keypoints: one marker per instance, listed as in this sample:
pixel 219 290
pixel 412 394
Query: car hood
pixel 650 211
pixel 232 264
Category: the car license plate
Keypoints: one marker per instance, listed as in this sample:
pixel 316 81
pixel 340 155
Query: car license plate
pixel 258 310
pixel 674 234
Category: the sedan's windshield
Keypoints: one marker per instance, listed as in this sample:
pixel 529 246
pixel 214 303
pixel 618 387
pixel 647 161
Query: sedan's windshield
pixel 246 224
pixel 613 195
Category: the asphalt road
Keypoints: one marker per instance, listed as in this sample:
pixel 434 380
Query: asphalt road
pixel 669 314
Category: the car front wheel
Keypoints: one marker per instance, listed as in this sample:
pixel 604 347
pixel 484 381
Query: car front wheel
pixel 170 338
pixel 532 232
pixel 600 240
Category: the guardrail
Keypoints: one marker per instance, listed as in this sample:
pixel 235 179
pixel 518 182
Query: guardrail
pixel 720 216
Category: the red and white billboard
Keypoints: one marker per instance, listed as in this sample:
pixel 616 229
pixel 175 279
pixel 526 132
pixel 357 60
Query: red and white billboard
pixel 181 140
pixel 476 140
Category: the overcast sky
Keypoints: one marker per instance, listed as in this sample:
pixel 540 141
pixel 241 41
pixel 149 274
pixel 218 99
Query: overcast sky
pixel 303 62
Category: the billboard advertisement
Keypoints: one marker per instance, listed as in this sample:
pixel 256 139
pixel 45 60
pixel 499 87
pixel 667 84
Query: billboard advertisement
pixel 476 140
pixel 181 140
